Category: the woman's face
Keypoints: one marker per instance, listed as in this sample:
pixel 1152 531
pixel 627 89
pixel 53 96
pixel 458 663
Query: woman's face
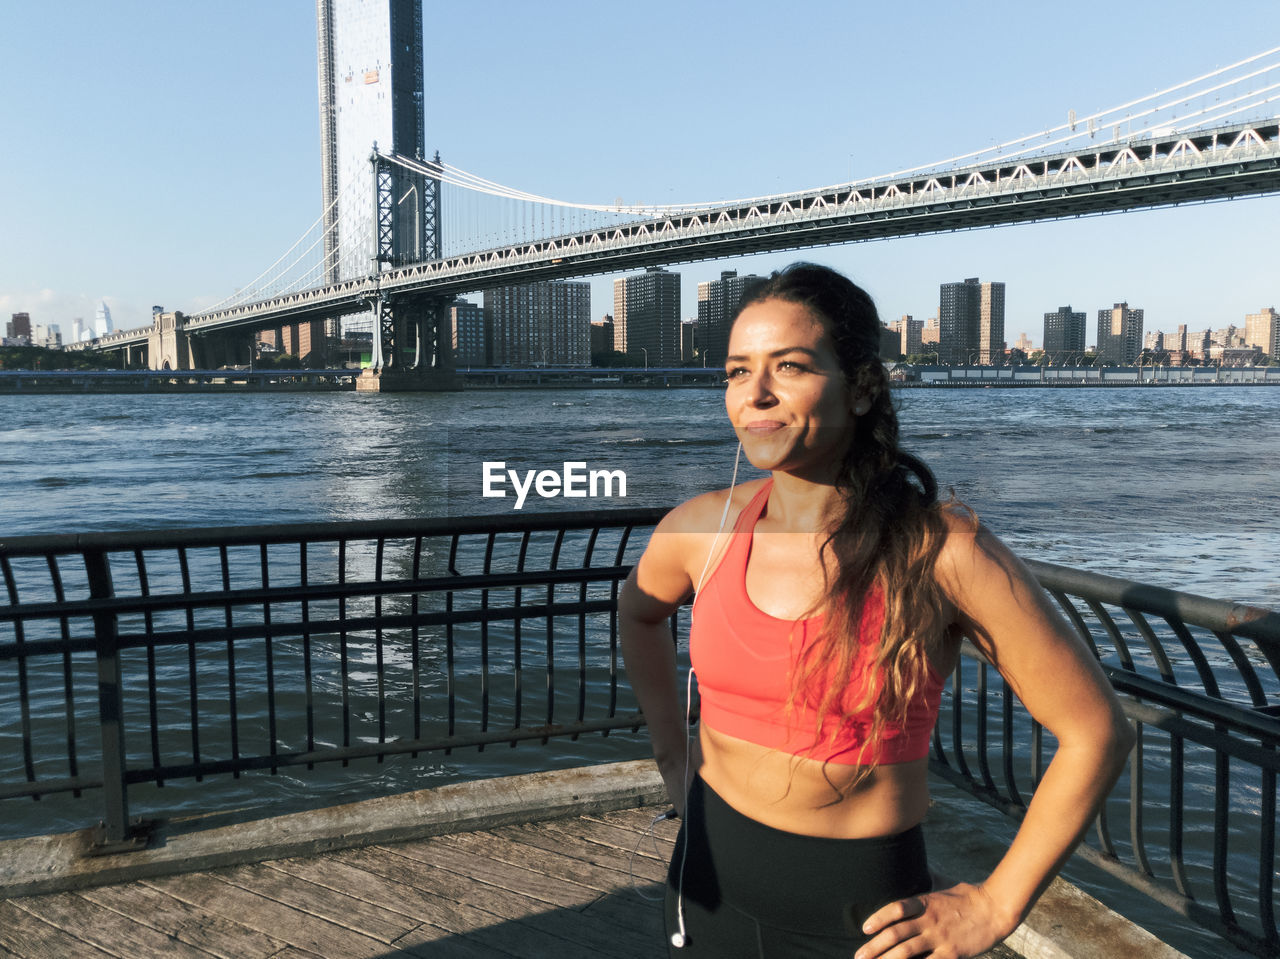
pixel 786 394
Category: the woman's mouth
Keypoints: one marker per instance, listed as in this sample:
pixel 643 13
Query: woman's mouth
pixel 764 427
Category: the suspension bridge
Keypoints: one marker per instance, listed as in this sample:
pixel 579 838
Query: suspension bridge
pixel 426 232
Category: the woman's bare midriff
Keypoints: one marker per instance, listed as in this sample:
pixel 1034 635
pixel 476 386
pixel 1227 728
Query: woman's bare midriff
pixel 809 797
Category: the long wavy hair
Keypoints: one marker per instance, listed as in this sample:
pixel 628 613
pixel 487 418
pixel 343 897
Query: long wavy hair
pixel 885 542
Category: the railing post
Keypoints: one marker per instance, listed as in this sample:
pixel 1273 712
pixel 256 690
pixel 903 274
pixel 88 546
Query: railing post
pixel 115 834
pixel 110 719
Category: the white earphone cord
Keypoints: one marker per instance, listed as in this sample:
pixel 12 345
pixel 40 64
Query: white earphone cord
pixel 679 939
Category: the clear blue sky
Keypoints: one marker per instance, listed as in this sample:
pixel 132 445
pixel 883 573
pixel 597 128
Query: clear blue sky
pixel 165 153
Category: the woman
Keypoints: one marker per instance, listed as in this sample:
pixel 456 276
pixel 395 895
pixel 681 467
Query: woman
pixel 830 601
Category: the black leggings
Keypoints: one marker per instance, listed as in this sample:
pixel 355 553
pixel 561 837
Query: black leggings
pixel 749 890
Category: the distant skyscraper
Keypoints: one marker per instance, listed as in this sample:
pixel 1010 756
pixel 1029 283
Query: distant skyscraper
pixel 1119 335
pixel 971 322
pixel 1064 331
pixel 646 316
pixel 102 320
pixel 547 323
pixel 717 305
pixel 369 57
pixel 20 326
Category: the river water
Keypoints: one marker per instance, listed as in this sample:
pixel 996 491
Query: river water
pixel 1175 486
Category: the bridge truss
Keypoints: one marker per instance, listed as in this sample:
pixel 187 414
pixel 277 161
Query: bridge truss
pixel 1216 136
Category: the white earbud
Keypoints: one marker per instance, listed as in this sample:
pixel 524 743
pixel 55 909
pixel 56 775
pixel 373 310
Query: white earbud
pixel 677 940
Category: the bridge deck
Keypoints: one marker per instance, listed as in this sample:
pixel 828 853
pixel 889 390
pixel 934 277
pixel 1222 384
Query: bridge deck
pixel 563 888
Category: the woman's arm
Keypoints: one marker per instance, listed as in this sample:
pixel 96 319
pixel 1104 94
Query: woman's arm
pixel 658 584
pixel 1000 604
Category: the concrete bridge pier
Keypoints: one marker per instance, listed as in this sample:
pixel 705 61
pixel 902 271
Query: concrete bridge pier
pixel 412 348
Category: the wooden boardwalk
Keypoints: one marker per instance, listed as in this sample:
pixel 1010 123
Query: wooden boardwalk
pixel 564 888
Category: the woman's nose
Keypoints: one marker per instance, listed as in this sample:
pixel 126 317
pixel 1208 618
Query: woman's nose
pixel 761 391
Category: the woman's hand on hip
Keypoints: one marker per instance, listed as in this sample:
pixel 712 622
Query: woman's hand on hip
pixel 953 923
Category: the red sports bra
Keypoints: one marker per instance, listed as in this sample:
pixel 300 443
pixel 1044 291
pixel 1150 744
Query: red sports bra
pixel 744 657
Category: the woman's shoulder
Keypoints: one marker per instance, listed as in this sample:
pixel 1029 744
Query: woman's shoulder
pixel 973 559
pixel 706 514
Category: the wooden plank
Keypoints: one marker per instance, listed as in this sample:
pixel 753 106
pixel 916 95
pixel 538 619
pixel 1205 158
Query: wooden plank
pixel 335 870
pixel 572 928
pixel 293 926
pixel 434 883
pixel 105 928
pixel 31 938
pixel 638 820
pixel 656 839
pixel 499 850
pixel 216 935
pixel 348 911
pixel 474 861
pixel 631 864
pixel 547 884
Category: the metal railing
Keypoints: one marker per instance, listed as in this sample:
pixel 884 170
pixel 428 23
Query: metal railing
pixel 142 658
pixel 228 650
pixel 1193 821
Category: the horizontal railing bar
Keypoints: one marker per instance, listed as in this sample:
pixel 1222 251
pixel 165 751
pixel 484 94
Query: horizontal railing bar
pixel 285 595
pixel 391 747
pixel 1198 704
pixel 1172 722
pixel 278 629
pixel 43 787
pixel 1254 622
pixel 350 530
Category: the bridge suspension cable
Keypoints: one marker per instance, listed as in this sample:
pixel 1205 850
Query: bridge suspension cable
pixel 482 214
pixel 300 269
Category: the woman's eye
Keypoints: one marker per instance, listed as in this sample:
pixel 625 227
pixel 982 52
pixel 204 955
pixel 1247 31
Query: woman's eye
pixel 735 372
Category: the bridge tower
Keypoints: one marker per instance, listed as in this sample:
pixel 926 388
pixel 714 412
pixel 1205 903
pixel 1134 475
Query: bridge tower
pixel 370 71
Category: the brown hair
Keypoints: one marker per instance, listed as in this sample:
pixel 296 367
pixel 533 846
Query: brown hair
pixel 891 530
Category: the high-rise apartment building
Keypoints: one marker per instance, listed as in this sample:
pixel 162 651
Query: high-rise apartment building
pixel 540 324
pixel 1064 331
pixel 646 316
pixel 971 322
pixel 470 338
pixel 717 305
pixel 1119 335
pixel 991 325
pixel 602 337
pixel 369 59
pixel 910 335
pixel 1262 329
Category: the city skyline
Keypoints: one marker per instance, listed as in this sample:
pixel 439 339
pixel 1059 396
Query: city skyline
pixel 199 175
